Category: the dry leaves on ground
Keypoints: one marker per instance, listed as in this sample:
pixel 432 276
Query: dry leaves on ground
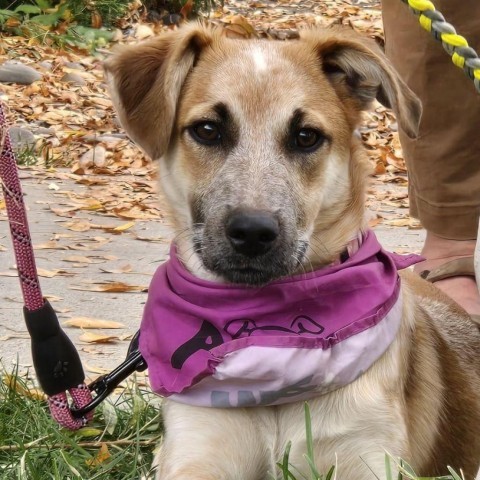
pixel 82 124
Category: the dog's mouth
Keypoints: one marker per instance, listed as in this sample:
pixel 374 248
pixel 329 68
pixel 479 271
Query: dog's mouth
pixel 279 262
pixel 250 275
pixel 261 273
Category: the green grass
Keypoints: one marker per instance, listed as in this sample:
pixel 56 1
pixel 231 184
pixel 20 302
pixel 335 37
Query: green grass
pixel 118 444
pixel 33 447
pixel 27 156
pixel 289 471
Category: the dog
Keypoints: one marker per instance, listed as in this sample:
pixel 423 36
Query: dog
pixel 265 178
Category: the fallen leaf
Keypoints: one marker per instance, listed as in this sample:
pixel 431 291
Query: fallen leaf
pixel 101 457
pixel 77 259
pixel 90 337
pixel 50 245
pixel 380 169
pixel 12 273
pixel 111 287
pixel 109 257
pixel 411 223
pixel 187 9
pixel 96 19
pixel 87 322
pixel 399 222
pixel 246 28
pixel 125 226
pixel 97 370
pixel 53 273
pixel 63 310
pixel 26 336
pixel 80 225
pixel 373 222
pixel 134 213
pixel 89 244
pixel 53 298
pixel 89 432
pixel 12 22
pixel 152 239
pixel 125 269
pixel 110 416
pixel 12 382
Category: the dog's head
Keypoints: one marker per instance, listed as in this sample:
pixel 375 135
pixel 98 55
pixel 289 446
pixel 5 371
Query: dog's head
pixel 255 139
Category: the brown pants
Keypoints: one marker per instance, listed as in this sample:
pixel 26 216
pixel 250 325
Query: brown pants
pixel 444 161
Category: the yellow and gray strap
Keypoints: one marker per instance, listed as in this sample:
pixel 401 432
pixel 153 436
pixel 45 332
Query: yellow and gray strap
pixel 463 56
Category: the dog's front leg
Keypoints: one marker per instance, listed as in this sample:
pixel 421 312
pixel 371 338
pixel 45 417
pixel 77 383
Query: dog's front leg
pixel 354 457
pixel 212 444
pixel 350 431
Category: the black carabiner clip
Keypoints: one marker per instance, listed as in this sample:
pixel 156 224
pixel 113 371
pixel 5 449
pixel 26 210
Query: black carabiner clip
pixel 105 384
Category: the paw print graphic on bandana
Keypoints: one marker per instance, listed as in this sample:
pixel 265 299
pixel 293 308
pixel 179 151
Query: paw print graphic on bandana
pixel 60 369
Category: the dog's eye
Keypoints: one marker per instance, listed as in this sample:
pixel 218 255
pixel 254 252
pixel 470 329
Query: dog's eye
pixel 307 140
pixel 206 133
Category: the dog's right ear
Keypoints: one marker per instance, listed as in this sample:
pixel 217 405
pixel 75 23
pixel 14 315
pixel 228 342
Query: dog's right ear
pixel 145 80
pixel 360 72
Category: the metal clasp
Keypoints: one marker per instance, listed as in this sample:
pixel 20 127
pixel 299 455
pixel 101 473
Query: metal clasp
pixel 105 384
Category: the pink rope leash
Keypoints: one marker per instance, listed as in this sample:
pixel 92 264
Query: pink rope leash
pixel 17 216
pixel 27 271
pixel 60 408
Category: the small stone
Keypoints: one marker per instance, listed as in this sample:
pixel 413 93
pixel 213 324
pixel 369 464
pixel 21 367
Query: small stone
pixel 172 19
pixel 22 139
pixel 72 77
pixel 123 136
pixel 46 65
pixel 43 131
pixel 94 157
pixel 143 31
pixel 110 140
pixel 74 65
pixel 16 72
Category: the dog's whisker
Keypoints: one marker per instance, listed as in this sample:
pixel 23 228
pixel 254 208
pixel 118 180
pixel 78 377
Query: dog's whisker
pixel 180 233
pixel 194 250
pixel 299 263
pixel 320 243
pixel 189 230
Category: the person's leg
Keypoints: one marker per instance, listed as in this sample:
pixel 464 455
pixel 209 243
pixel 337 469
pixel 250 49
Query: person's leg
pixel 444 161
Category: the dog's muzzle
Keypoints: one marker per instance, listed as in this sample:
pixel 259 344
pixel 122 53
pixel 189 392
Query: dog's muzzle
pixel 249 246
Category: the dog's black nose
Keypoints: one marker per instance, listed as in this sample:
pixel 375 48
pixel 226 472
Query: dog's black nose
pixel 252 232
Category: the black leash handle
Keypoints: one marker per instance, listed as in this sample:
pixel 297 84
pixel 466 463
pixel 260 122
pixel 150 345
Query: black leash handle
pixel 55 358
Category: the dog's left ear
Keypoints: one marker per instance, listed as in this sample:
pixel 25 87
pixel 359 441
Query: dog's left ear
pixel 360 73
pixel 145 81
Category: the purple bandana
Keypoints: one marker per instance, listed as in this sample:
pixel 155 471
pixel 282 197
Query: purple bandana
pixel 223 345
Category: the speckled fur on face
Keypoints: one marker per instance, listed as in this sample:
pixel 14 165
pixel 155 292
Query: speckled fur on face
pixel 259 94
pixel 254 168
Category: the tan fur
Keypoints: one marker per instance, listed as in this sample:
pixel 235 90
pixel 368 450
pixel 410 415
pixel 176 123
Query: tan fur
pixel 420 401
